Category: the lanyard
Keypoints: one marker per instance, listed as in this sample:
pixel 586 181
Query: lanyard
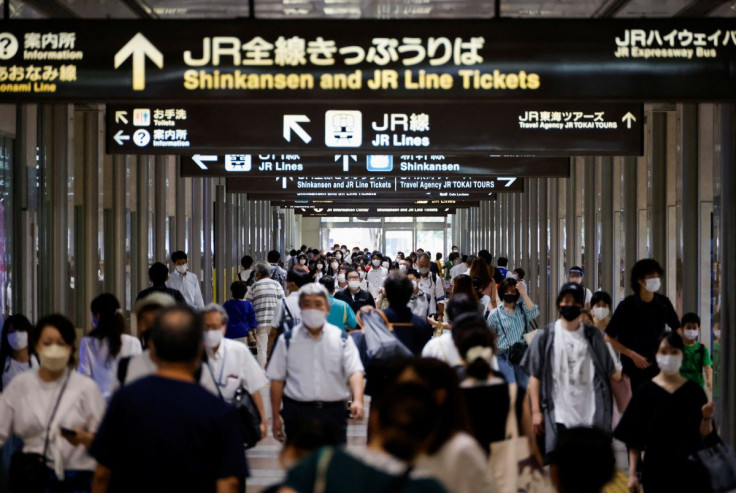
pixel 218 382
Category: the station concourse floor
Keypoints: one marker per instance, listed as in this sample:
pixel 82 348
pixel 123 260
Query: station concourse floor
pixel 265 469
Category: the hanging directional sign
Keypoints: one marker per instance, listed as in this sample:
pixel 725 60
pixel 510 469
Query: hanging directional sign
pixel 349 196
pixel 363 203
pixel 522 59
pixel 373 211
pixel 477 184
pixel 350 129
pixel 409 165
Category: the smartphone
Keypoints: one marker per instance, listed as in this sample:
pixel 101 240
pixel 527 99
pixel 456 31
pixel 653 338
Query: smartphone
pixel 68 432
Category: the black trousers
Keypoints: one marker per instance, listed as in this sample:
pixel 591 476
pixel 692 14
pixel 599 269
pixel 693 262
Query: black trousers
pixel 334 415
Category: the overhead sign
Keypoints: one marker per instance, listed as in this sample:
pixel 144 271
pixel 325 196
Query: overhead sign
pixel 319 203
pixel 288 185
pixel 351 196
pixel 379 128
pixel 373 211
pixel 410 165
pixel 523 59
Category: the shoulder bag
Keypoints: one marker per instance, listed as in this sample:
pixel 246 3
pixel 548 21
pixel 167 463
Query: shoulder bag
pixel 29 472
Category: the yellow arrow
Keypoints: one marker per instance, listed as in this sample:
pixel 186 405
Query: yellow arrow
pixel 139 48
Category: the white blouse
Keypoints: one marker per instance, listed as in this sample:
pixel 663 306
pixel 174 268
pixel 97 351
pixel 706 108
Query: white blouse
pixel 13 368
pixel 26 407
pixel 95 361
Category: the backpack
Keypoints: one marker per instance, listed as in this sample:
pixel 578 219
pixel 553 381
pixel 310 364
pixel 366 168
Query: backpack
pixel 286 326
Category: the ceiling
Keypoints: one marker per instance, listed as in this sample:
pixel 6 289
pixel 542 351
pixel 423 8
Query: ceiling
pixel 365 9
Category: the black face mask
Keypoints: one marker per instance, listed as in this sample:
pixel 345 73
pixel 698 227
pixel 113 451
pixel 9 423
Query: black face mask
pixel 511 298
pixel 570 312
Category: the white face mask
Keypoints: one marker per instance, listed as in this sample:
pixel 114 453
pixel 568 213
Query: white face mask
pixel 54 357
pixel 302 261
pixel 314 319
pixel 338 256
pixel 18 340
pixel 181 269
pixel 341 278
pixel 354 285
pixel 423 270
pixel 669 363
pixel 513 276
pixel 717 333
pixel 334 265
pixel 600 312
pixel 653 284
pixel 361 274
pixel 402 267
pixel 319 266
pixel 690 334
pixel 212 338
pixel 384 265
pixel 376 262
pixel 454 250
pixel 414 284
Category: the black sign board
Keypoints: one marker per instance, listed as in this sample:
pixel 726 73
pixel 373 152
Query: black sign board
pixel 398 185
pixel 522 59
pixel 373 211
pixel 344 197
pixel 349 129
pixel 305 203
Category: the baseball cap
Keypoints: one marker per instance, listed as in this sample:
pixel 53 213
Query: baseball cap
pixel 573 288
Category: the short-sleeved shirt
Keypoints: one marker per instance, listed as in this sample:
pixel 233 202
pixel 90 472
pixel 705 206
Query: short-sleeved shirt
pixel 639 325
pixel 693 362
pixel 232 365
pixel 348 473
pixel 241 318
pixel 511 328
pixel 341 314
pixel 163 435
pixel 265 295
pixel 356 300
pixel 188 285
pixel 315 369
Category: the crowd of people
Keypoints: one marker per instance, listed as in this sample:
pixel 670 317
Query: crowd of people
pixel 470 375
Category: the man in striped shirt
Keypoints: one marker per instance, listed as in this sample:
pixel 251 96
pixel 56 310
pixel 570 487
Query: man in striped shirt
pixel 510 322
pixel 266 295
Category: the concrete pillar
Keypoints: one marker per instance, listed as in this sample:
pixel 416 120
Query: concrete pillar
pixel 657 158
pixel 544 287
pixel 687 157
pixel 609 263
pixel 535 261
pixel 590 260
pixel 221 247
pixel 630 215
pixel 207 217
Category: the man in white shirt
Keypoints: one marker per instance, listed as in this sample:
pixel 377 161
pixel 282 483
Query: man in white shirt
pixel 460 267
pixel 294 281
pixel 431 284
pixel 314 370
pixel 377 275
pixel 185 281
pixel 419 301
pixel 229 363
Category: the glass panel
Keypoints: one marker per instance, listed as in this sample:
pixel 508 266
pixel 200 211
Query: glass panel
pixel 399 241
pixel 365 237
pixel 399 219
pixel 335 219
pixel 431 241
pixel 431 219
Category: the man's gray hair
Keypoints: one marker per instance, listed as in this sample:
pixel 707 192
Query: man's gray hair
pixel 263 269
pixel 425 256
pixel 215 308
pixel 314 288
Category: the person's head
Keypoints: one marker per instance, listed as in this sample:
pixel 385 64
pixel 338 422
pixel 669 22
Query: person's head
pixel 398 289
pixel 404 420
pixel 306 437
pixel 486 255
pixel 262 270
pixel 423 262
pixel 690 327
pixel 480 270
pixel 600 305
pixel 519 272
pixel 438 256
pixel 443 381
pixel 575 274
pixel 420 251
pixel 462 307
pixel 301 259
pixel 353 277
pixel 645 275
pixel 158 273
pixel 329 283
pixel 454 249
pixel 214 323
pixel 295 279
pixel 238 289
pixel 386 262
pixel 508 291
pixel 16 332
pixel 570 301
pixel 303 248
pixel 586 317
pixel 177 338
pixel 146 310
pixel 247 261
pixel 53 340
pixel 414 276
pixel 476 346
pixel 292 253
pixel 314 303
pixel 503 262
pixel 670 353
pixel 334 263
pixel 179 259
pixel 453 257
pixel 107 321
pixel 376 259
pixel 582 461
pixel 463 284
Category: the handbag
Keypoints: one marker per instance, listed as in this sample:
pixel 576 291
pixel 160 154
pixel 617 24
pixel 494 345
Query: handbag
pixel 29 472
pixel 248 417
pixel 511 465
pixel 719 462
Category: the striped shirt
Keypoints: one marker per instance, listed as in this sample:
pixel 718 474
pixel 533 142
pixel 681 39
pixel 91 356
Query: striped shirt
pixel 265 295
pixel 511 328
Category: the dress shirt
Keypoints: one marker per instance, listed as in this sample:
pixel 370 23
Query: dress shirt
pixel 315 369
pixel 432 287
pixel 292 303
pixel 511 328
pixel 96 363
pixel 25 409
pixel 265 295
pixel 419 304
pixel 188 284
pixel 375 278
pixel 232 365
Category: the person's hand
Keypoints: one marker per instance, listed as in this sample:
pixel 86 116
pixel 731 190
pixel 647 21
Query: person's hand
pixel 633 484
pixel 639 360
pixel 356 410
pixel 366 309
pixel 520 289
pixel 264 429
pixel 81 437
pixel 278 428
pixel 708 411
pixel 538 423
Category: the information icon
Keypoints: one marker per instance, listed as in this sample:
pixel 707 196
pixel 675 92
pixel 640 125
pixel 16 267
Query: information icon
pixel 343 128
pixel 141 137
